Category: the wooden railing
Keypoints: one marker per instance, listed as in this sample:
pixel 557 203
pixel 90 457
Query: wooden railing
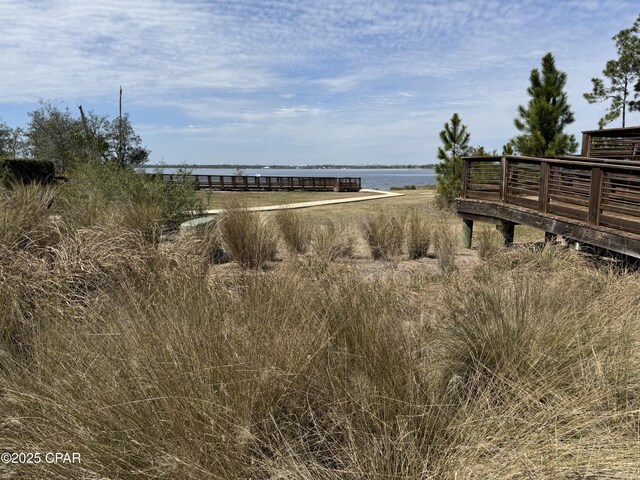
pixel 245 182
pixel 598 192
pixel 612 143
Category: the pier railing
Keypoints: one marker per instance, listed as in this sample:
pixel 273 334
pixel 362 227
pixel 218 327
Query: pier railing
pixel 257 183
pixel 612 143
pixel 598 192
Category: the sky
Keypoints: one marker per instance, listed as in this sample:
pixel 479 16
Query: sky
pixel 301 82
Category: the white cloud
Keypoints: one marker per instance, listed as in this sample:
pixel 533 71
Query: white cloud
pixel 361 77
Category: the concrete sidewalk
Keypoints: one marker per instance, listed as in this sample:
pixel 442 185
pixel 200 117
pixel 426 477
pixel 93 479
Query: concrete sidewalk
pixel 202 221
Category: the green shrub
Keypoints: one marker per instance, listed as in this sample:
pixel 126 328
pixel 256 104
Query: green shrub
pixel 99 192
pixel 27 171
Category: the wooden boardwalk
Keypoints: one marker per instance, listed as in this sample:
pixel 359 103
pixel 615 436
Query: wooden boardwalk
pixel 266 183
pixel 590 199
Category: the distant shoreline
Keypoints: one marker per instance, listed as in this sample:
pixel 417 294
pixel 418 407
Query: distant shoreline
pixel 288 167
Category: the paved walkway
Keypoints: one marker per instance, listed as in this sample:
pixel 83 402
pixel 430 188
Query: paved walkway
pixel 268 208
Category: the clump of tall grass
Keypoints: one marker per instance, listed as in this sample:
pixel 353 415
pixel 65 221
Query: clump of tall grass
pixel 333 240
pixel 489 242
pixel 42 284
pixel 525 346
pixel 277 365
pixel 26 215
pixel 205 242
pixel 445 246
pixel 295 233
pixel 384 234
pixel 144 216
pixel 24 287
pixel 249 237
pixel 89 261
pixel 419 226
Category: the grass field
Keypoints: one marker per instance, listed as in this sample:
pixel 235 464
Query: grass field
pixel 304 357
pixel 421 199
pixel 214 200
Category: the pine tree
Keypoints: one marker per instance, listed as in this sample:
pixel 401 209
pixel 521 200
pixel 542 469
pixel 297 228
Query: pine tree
pixel 455 139
pixel 543 120
pixel 622 73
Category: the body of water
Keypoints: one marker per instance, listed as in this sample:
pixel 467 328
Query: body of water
pixel 376 178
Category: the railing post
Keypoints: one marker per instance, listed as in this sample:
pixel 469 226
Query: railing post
pixel 467 232
pixel 543 194
pixel 595 195
pixel 586 144
pixel 504 173
pixel 465 177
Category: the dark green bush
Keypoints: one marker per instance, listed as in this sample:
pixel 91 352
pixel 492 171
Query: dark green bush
pixel 27 171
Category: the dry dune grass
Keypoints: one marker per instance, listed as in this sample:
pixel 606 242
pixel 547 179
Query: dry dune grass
pixel 152 363
pixel 334 240
pixel 250 238
pixel 293 230
pixel 385 234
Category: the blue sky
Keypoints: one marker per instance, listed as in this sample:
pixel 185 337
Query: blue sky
pixel 302 82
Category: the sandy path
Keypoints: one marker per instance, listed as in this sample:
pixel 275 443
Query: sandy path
pixel 379 194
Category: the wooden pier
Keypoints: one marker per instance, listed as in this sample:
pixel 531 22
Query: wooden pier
pixel 267 183
pixel 589 199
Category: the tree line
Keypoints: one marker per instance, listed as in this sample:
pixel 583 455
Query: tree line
pixel 542 121
pixel 56 134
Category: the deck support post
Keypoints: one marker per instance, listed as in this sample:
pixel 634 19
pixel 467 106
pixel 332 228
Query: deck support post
pixel 508 230
pixel 467 232
pixel 550 237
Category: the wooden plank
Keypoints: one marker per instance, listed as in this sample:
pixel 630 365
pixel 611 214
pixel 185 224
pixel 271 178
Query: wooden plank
pixel 479 218
pixel 620 223
pixel 570 212
pixel 526 191
pixel 543 192
pixel 586 141
pixel 595 196
pixel 632 211
pixel 600 236
pixel 579 202
pixel 481 194
pixel 465 177
pixel 522 201
pixel 504 169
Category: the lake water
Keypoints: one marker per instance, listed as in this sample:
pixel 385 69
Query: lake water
pixel 376 178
